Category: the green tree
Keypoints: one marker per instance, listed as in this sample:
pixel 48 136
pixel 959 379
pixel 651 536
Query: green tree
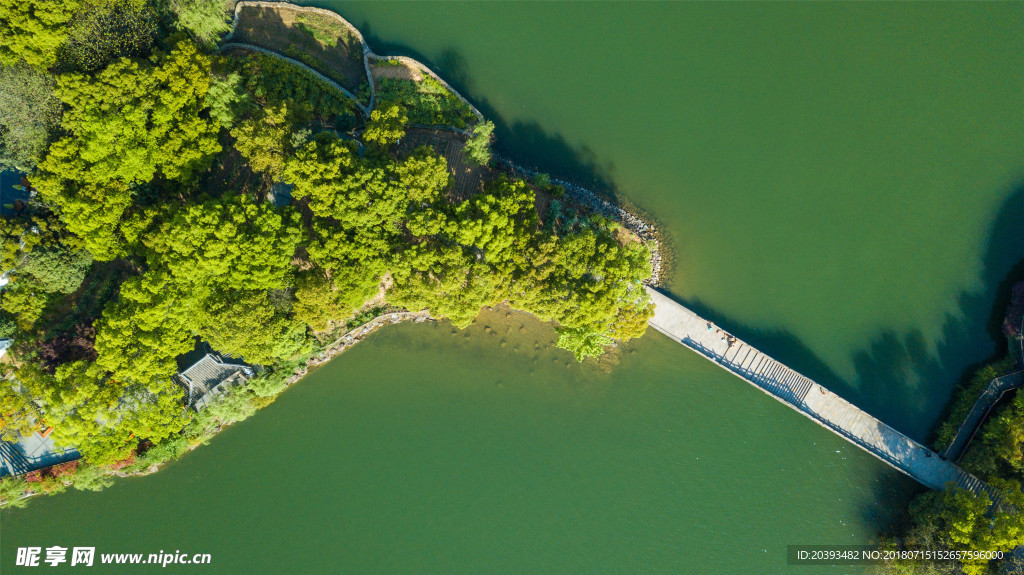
pixel 478 148
pixel 205 20
pixel 318 302
pixel 582 343
pixel 141 333
pixel 57 268
pixel 12 489
pixel 134 119
pixel 265 140
pixel 31 113
pixel 386 125
pixel 107 30
pixel 33 31
pixel 246 324
pixel 226 99
pixel 127 123
pixel 230 243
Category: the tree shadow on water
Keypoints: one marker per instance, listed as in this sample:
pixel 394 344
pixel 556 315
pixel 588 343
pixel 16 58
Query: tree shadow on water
pixel 526 143
pixel 906 382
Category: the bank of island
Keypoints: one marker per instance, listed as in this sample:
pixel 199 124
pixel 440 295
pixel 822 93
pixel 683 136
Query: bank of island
pixel 214 209
pixel 214 204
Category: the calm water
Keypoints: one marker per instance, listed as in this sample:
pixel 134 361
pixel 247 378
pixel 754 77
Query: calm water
pixel 842 184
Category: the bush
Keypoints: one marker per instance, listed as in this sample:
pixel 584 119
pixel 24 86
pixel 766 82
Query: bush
pixel 273 82
pixel 583 343
pixel 7 326
pixel 269 384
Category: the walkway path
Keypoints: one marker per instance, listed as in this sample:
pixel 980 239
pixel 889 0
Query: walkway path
pixel 986 401
pixel 807 397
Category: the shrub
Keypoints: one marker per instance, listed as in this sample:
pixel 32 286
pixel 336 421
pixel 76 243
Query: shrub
pixel 428 101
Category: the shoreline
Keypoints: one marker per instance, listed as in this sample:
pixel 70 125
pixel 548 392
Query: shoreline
pixel 646 231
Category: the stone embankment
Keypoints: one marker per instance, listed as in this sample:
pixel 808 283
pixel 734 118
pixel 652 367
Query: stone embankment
pixel 354 336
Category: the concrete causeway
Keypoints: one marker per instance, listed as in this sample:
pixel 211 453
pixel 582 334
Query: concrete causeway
pixel 809 398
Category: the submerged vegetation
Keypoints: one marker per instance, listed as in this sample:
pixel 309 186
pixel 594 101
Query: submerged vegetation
pixel 155 224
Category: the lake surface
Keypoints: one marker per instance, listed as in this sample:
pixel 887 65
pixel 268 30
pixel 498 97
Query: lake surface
pixel 842 185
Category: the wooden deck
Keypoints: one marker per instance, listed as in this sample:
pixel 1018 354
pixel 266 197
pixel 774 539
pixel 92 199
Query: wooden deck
pixel 808 398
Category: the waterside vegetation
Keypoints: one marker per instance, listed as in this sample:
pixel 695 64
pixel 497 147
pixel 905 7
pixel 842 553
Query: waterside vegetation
pixel 186 194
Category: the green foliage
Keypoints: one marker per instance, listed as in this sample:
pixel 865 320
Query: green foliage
pixel 98 415
pixel 583 344
pixel 998 451
pixel 129 179
pixel 127 123
pixel 7 326
pixel 386 125
pixel 227 99
pixel 265 140
pixel 427 101
pixel 91 478
pixel 237 404
pixel 961 521
pixel 141 333
pixel 269 384
pixel 318 302
pixel 33 30
pixel 26 299
pixel 323 30
pixel 966 396
pixel 272 82
pixel 106 30
pixel 31 113
pixel 226 244
pixel 134 119
pixel 246 324
pixel 205 20
pixel 478 148
pixel 11 491
pixel 57 268
pixel 541 180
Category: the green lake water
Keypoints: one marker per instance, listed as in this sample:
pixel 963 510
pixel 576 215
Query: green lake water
pixel 841 184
